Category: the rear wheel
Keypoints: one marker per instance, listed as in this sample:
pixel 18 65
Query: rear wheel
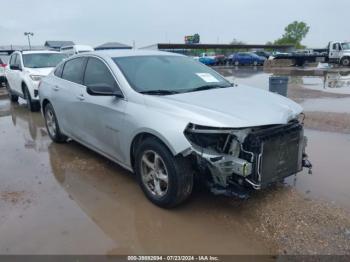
pixel 33 106
pixel 345 61
pixel 52 125
pixel 166 180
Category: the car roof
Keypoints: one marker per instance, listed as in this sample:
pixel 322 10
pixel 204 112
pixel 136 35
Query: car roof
pixel 40 52
pixel 132 52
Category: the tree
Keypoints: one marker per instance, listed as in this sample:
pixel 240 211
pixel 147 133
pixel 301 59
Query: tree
pixel 294 33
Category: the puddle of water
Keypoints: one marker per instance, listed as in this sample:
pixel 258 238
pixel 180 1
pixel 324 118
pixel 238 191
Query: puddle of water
pixel 329 82
pixel 333 105
pixel 81 203
pixel 338 83
pixel 330 180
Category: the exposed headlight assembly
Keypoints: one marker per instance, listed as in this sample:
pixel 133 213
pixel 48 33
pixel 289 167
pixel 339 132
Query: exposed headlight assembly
pixel 221 148
pixel 301 118
pixel 221 140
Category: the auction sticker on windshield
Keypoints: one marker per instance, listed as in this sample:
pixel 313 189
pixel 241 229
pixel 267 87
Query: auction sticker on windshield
pixel 208 77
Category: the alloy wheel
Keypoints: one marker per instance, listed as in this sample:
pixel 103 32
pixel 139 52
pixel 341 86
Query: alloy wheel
pixel 154 173
pixel 51 122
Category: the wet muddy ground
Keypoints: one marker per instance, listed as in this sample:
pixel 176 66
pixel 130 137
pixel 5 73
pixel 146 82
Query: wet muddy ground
pixel 66 199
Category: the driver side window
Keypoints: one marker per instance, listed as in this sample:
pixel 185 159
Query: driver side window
pixel 97 74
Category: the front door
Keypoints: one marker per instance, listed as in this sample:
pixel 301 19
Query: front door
pixel 103 116
pixel 335 51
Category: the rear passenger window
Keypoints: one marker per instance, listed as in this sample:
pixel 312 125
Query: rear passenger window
pixel 59 70
pixel 97 74
pixel 73 70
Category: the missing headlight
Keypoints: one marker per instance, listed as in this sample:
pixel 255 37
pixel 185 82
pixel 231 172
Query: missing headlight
pixel 221 140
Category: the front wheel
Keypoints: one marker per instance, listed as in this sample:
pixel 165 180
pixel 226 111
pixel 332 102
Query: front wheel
pixel 165 179
pixel 52 126
pixel 33 106
pixel 345 61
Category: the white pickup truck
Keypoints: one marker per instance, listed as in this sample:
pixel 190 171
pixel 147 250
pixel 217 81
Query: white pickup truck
pixel 336 52
pixel 339 52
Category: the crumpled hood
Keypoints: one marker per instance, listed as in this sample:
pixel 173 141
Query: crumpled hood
pixel 39 71
pixel 236 107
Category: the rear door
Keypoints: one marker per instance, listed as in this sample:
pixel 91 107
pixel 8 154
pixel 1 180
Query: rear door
pixel 66 91
pixel 13 74
pixel 103 115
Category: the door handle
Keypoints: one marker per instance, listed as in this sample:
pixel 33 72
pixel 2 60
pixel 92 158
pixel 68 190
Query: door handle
pixel 56 88
pixel 81 97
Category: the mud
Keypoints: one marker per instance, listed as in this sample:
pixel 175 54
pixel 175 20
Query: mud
pixel 66 199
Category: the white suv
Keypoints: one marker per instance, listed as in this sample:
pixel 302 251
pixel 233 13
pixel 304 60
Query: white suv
pixel 25 70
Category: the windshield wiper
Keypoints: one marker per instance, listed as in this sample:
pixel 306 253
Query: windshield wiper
pixel 207 87
pixel 159 92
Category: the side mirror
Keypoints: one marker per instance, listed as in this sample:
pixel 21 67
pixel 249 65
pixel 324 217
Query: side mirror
pixel 103 90
pixel 15 67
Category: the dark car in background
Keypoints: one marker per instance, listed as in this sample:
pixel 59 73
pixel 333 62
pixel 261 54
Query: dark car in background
pixel 263 54
pixel 245 58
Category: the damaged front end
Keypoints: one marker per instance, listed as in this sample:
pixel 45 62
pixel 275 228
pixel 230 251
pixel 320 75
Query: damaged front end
pixel 238 160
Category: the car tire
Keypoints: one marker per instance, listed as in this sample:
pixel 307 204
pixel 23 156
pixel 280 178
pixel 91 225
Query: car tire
pixel 52 125
pixel 345 61
pixel 33 106
pixel 12 96
pixel 166 180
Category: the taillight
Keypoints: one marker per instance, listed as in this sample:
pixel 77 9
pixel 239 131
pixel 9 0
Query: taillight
pixel 3 65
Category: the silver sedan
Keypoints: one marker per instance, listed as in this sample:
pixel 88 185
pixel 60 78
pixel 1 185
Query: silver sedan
pixel 168 118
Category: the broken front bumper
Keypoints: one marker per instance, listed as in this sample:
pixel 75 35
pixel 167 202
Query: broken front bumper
pixel 267 155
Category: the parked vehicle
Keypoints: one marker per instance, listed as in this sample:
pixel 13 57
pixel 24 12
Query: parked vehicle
pixel 263 54
pixel 305 52
pixel 220 60
pixel 339 53
pixel 76 49
pixel 336 52
pixel 24 72
pixel 3 65
pixel 208 59
pixel 246 59
pixel 169 118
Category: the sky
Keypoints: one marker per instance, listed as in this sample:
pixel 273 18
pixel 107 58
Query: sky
pixel 147 22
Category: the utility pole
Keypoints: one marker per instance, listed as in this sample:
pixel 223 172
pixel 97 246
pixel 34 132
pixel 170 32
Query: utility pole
pixel 29 34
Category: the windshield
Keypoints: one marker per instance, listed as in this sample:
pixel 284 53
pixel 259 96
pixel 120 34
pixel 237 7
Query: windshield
pixel 345 46
pixel 176 74
pixel 42 60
